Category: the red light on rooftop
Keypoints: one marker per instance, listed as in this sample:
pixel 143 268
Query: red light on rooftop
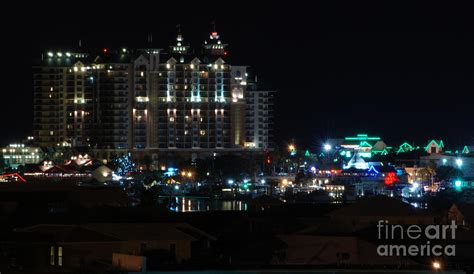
pixel 225 53
pixel 105 50
pixel 214 33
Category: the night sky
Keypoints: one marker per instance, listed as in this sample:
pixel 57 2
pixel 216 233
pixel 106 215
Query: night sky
pixel 402 72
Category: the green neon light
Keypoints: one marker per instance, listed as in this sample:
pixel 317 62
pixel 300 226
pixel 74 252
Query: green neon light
pixel 381 152
pixel 307 154
pixel 465 150
pixel 440 144
pixel 404 147
pixel 365 144
pixel 362 137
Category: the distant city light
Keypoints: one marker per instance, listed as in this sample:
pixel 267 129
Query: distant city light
pixel 327 147
pixel 458 183
pixel 445 161
pixel 230 182
pixel 50 54
pixel 459 162
pixel 436 265
pixel 176 187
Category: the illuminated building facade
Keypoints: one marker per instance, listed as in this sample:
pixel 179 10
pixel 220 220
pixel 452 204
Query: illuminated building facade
pixel 151 99
pixel 15 155
pixel 364 145
pixel 62 99
pixel 259 120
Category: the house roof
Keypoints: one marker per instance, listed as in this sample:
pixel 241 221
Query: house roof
pixel 61 233
pixel 150 231
pixel 378 206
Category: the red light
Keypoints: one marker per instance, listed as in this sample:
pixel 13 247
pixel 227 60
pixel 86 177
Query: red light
pixel 390 178
pixel 225 52
pixel 105 50
pixel 214 33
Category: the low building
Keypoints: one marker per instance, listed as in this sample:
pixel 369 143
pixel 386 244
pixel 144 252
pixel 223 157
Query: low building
pixel 15 155
pixel 369 211
pixel 434 147
pixel 63 247
pixel 462 214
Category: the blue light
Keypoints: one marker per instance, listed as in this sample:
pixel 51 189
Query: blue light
pixel 176 187
pixel 458 183
pixel 230 182
pixel 372 168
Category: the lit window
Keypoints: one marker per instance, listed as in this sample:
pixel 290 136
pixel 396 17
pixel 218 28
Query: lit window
pixel 60 255
pixel 51 256
pixel 168 66
pixel 171 119
pixel 203 132
pixel 142 74
pixel 51 132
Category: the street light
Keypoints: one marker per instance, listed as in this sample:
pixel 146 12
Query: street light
pixel 327 147
pixel 291 147
pixel 436 265
pixel 459 162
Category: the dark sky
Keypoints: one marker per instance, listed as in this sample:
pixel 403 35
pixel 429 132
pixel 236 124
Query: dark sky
pixel 399 71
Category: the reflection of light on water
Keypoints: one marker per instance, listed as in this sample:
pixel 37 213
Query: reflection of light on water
pixel 183 204
pixel 419 205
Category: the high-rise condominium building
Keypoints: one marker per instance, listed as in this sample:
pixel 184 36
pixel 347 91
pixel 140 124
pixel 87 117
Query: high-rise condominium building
pixel 151 100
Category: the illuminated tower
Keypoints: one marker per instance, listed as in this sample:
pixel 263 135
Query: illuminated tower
pixel 214 46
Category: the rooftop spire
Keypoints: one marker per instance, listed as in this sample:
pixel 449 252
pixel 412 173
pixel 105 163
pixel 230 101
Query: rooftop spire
pixel 178 47
pixel 214 46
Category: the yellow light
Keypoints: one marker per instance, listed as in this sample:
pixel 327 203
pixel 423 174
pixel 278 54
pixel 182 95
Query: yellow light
pixel 291 147
pixel 183 173
pixel 190 174
pixel 436 265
